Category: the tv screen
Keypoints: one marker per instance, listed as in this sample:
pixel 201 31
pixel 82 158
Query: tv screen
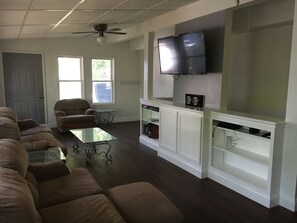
pixel 169 55
pixel 194 46
pixel 182 54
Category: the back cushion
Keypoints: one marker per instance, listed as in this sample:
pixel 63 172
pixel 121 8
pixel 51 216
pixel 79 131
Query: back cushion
pixel 13 156
pixel 9 129
pixel 16 201
pixel 72 106
pixel 8 113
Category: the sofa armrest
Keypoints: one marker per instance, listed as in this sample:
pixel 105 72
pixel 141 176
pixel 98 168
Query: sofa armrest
pixel 59 113
pixel 90 111
pixel 49 170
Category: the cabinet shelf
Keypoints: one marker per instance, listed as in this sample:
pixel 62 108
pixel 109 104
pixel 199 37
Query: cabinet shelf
pixel 244 131
pixel 240 152
pixel 244 176
pixel 151 120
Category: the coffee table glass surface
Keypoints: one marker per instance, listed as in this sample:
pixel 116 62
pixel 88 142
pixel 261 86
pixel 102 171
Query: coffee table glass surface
pixel 50 154
pixel 92 135
pixel 93 141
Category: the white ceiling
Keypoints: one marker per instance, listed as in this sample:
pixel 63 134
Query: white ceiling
pixel 59 18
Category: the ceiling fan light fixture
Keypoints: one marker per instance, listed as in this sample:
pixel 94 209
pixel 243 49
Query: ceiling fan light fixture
pixel 100 40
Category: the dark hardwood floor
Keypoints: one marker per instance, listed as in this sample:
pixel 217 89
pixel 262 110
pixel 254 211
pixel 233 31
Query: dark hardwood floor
pixel 199 200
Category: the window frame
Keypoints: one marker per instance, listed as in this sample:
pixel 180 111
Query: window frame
pixel 81 81
pixel 112 81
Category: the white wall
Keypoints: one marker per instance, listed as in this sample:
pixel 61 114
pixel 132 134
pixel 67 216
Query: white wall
pixel 127 70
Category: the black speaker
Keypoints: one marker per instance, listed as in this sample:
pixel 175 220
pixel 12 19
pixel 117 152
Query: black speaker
pixel 195 100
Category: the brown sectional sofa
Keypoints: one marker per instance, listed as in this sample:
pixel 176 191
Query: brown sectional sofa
pixel 50 193
pixel 34 136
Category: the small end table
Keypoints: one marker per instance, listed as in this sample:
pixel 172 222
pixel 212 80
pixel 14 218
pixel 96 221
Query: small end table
pixel 104 116
pixel 50 154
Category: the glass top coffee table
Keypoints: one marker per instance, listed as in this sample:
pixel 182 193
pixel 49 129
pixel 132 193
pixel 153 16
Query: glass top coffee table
pixel 50 154
pixel 93 141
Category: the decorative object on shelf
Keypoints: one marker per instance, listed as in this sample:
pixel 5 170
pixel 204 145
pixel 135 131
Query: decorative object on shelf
pixel 195 100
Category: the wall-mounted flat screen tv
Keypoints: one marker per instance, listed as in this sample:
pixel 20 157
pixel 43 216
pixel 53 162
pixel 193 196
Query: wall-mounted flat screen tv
pixel 182 54
pixel 169 55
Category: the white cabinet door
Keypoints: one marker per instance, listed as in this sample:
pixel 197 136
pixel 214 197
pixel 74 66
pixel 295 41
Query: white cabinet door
pixel 189 136
pixel 168 129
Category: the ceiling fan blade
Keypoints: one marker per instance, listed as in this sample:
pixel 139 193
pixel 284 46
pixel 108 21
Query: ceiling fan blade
pixel 114 30
pixel 119 33
pixel 85 32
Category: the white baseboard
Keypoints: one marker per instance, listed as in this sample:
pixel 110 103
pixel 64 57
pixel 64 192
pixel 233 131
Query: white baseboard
pixel 288 203
pixel 122 119
pixel 193 169
pixel 243 188
pixel 153 144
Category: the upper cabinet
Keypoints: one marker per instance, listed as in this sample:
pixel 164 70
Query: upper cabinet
pixel 257 57
pixel 264 15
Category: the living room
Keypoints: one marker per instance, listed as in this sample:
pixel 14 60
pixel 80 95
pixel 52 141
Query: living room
pixel 127 96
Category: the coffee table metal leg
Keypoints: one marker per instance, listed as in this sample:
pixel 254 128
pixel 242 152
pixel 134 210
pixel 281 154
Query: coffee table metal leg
pixel 88 154
pixel 75 148
pixel 106 153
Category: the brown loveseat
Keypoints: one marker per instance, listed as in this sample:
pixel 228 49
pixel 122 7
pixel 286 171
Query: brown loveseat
pixel 74 114
pixel 33 135
pixel 50 193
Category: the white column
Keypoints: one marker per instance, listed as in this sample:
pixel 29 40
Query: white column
pixel 289 165
pixel 148 65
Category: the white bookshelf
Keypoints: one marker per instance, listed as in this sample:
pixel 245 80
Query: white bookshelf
pixel 149 116
pixel 246 162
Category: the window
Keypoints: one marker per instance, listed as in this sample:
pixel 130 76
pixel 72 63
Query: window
pixel 70 77
pixel 102 81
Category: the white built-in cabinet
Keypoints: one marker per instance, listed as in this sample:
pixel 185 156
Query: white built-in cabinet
pixel 189 136
pixel 245 155
pixel 168 129
pixel 181 139
pixel 242 152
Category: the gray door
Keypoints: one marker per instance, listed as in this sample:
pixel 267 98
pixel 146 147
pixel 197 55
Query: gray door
pixel 24 85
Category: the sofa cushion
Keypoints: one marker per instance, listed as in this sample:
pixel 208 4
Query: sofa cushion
pixel 91 209
pixel 16 202
pixel 49 137
pixel 48 170
pixel 76 118
pixel 27 124
pixel 9 129
pixel 142 202
pixel 8 113
pixel 78 184
pixel 37 129
pixel 13 156
pixel 33 185
pixel 36 145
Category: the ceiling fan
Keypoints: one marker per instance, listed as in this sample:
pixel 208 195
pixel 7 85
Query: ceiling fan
pixel 101 29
